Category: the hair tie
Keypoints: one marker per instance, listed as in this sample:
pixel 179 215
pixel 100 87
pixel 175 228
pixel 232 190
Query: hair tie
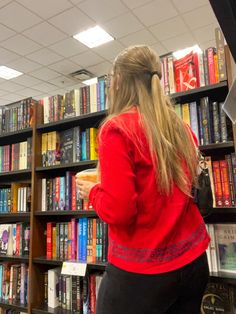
pixel 154 72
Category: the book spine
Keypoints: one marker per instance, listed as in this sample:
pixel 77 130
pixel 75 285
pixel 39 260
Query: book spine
pixel 223 124
pixel 221 54
pixel 231 179
pixel 211 66
pixel 216 122
pixel 217 183
pixel 194 119
pixel 225 183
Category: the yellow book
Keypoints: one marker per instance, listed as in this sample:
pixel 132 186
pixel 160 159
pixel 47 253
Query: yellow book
pixel 54 242
pixel 14 197
pixel 55 142
pixel 186 113
pixel 44 147
pixel 178 110
pixel 49 150
pixel 93 144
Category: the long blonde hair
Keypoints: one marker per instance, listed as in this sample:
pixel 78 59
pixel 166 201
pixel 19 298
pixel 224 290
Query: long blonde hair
pixel 136 81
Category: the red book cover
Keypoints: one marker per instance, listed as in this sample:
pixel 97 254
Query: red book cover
pixel 225 183
pixel 73 239
pixel 92 293
pixel 211 65
pixel 18 231
pixel 49 240
pixel 73 192
pixel 185 73
pixel 196 64
pixel 217 183
pixel 57 193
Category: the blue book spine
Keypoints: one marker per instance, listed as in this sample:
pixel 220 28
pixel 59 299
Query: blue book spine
pixel 201 142
pixel 5 200
pixel 83 146
pixel 84 239
pixel 194 119
pixel 68 190
pixel 102 94
pixel 80 232
pixel 1 198
pixel 62 194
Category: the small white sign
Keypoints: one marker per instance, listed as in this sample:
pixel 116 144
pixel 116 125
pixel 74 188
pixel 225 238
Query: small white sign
pixel 74 268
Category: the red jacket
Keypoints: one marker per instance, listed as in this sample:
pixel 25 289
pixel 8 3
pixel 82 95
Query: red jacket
pixel 148 232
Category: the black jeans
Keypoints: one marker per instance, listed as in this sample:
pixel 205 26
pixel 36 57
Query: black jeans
pixel 175 292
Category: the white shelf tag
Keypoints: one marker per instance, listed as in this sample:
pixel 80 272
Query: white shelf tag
pixel 74 268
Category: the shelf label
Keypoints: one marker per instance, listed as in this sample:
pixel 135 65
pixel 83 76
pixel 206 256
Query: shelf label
pixel 74 268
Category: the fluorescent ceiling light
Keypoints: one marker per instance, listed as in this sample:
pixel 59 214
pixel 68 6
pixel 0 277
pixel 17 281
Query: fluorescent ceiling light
pixel 93 37
pixel 181 53
pixel 8 73
pixel 91 81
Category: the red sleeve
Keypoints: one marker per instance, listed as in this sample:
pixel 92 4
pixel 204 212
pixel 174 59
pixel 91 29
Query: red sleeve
pixel 114 199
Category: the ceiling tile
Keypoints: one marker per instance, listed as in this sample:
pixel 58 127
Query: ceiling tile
pixel 110 50
pixel 13 97
pixel 143 37
pixel 155 11
pixel 101 68
pixel 179 42
pixel 169 28
pixel 45 8
pixel 45 87
pixel 7 56
pixel 205 33
pixel 187 5
pixel 4 102
pixel 200 17
pixel 24 65
pixel 44 56
pixel 3 92
pixel 123 25
pixel 5 32
pixel 62 81
pixel 72 21
pixel 76 1
pixel 10 86
pixel 68 47
pixel 207 44
pixel 45 34
pixel 20 45
pixel 87 59
pixel 135 3
pixel 64 67
pixel 29 92
pixel 44 74
pixel 17 17
pixel 102 10
pixel 158 47
pixel 26 80
pixel 4 2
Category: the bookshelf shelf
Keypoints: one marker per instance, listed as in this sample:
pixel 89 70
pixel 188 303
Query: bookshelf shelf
pixel 70 213
pixel 10 137
pixel 209 90
pixel 13 305
pixel 216 146
pixel 13 258
pixel 229 278
pixel 222 215
pixel 46 261
pixel 44 309
pixel 15 175
pixel 71 166
pixel 15 215
pixel 94 117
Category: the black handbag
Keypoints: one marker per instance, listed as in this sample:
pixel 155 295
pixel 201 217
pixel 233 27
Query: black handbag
pixel 202 194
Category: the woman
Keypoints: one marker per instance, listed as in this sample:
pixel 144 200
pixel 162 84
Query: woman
pixel 157 237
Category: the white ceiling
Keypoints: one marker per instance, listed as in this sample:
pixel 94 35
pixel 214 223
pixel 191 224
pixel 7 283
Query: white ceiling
pixel 36 37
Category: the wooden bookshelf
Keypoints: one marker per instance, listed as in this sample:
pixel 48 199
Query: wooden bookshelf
pixel 10 137
pixel 13 258
pixel 44 309
pixel 214 91
pixel 15 175
pixel 58 262
pixel 85 119
pixel 17 306
pixel 69 213
pixel 70 166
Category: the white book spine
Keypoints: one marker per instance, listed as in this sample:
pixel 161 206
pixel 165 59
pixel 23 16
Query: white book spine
pixel 53 278
pixel 213 248
pixel 43 205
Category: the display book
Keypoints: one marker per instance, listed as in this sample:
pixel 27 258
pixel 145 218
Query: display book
pixel 65 225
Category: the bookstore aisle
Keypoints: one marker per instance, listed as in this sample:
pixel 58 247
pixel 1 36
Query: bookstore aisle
pixel 53 246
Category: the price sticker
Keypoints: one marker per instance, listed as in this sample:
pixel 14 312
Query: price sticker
pixel 74 268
